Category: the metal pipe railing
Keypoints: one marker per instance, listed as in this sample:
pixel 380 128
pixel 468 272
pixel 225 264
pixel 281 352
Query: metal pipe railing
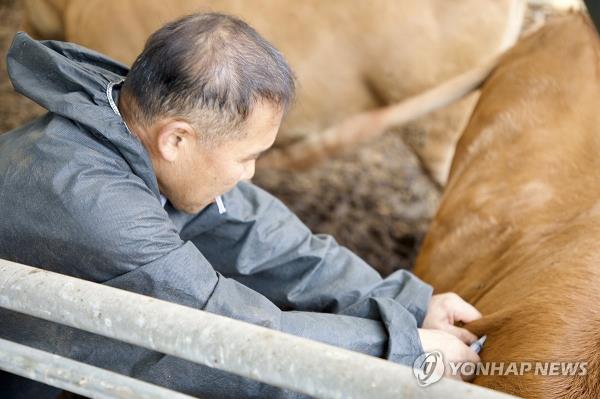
pixel 76 377
pixel 244 349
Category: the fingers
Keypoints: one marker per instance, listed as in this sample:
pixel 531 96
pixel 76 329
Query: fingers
pixel 464 311
pixel 455 351
pixel 463 334
pixel 471 357
pixel 467 377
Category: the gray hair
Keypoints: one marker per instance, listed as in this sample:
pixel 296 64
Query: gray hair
pixel 209 69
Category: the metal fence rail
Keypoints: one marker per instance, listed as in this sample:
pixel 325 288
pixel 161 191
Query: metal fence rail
pixel 251 351
pixel 76 377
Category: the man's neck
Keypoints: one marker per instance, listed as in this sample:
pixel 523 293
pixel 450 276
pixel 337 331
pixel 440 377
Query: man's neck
pixel 142 135
pixel 124 107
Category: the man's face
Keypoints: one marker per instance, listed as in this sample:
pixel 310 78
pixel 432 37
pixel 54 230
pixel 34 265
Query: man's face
pixel 201 172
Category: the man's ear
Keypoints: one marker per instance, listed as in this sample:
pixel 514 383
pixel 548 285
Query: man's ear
pixel 174 138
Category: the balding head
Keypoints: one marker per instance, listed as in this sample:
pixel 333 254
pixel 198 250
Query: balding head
pixel 209 70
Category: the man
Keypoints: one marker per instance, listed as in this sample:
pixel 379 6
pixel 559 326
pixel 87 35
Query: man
pixel 117 184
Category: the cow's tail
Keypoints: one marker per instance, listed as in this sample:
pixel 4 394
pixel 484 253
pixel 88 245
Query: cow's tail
pixel 365 126
pixel 514 24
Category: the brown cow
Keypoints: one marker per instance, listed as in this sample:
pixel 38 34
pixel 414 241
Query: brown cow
pixel 517 233
pixel 349 56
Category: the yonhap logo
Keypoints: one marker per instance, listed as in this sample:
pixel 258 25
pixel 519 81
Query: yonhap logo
pixel 429 368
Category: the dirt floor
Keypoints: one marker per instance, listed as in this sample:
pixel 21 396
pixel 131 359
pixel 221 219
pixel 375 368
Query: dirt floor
pixel 377 201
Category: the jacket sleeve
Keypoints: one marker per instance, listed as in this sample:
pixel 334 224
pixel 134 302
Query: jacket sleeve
pixel 118 234
pixel 143 251
pixel 263 245
pixel 185 276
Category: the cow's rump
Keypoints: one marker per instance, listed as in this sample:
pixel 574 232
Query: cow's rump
pixel 518 229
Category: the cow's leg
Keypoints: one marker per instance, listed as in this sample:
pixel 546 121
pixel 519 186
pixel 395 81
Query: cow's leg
pixel 369 125
pixel 433 138
pixel 44 18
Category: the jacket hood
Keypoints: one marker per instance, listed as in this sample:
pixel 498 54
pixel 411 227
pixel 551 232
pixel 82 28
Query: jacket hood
pixel 75 82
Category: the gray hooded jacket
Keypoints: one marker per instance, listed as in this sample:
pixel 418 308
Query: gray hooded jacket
pixel 78 196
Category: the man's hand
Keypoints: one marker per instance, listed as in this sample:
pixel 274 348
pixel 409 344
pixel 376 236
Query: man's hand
pixel 445 310
pixel 453 349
